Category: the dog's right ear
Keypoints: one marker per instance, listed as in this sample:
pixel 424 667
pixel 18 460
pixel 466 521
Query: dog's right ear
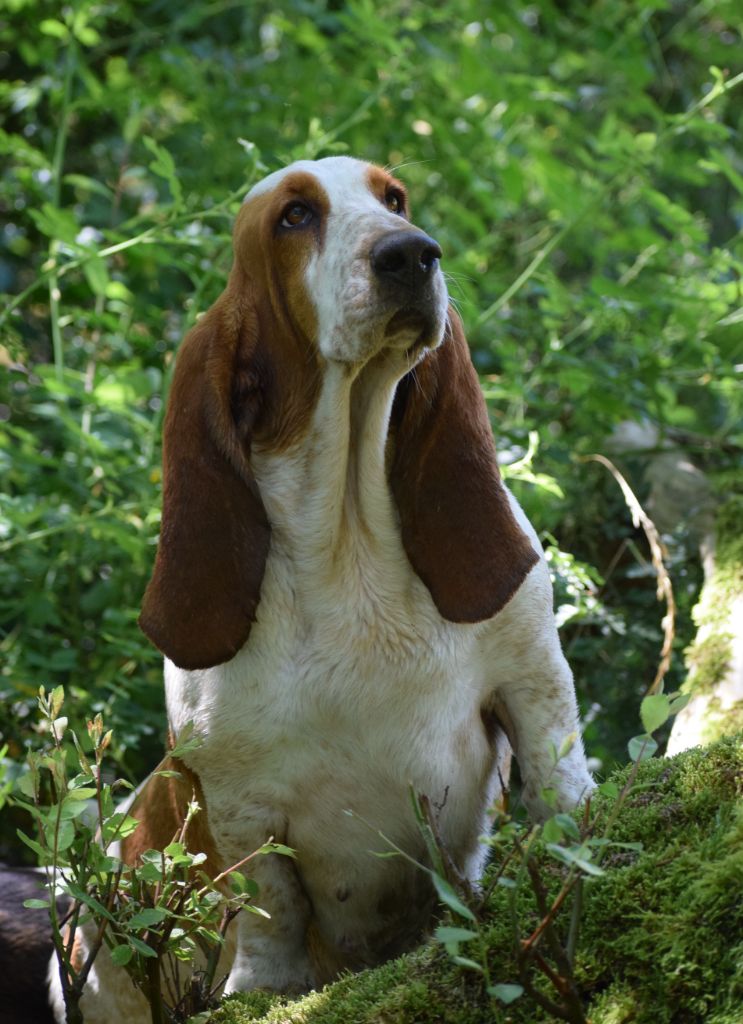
pixel 202 599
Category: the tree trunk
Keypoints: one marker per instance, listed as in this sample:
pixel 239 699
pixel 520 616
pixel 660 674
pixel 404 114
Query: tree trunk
pixel 715 659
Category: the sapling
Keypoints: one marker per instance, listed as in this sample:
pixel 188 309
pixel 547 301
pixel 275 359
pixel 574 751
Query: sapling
pixel 163 920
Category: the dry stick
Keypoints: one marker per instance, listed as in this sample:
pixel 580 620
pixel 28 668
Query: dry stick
pixel 657 552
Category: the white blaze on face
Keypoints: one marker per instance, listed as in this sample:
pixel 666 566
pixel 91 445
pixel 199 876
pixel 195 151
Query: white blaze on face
pixel 352 315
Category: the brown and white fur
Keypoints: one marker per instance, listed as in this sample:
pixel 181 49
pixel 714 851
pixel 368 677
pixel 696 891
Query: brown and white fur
pixel 349 600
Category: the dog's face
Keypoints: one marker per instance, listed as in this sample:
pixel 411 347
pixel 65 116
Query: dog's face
pixel 333 245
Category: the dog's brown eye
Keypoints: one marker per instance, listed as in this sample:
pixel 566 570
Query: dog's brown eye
pixel 296 215
pixel 393 202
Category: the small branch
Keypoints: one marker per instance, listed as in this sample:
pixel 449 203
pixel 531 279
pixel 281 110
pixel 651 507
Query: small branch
pixel 658 553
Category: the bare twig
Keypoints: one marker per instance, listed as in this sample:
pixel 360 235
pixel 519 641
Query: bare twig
pixel 658 554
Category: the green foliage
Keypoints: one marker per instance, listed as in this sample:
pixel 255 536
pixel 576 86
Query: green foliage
pixel 164 919
pixel 581 169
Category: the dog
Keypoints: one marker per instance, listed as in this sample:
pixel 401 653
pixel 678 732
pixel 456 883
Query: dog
pixel 349 600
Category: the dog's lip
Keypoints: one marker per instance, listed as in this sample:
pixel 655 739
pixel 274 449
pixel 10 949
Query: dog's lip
pixel 409 317
pixel 418 320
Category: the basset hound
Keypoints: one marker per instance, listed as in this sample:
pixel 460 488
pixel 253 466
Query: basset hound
pixel 349 600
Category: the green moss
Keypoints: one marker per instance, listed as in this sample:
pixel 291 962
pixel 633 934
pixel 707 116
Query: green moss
pixel 661 940
pixel 708 658
pixel 722 721
pixel 729 543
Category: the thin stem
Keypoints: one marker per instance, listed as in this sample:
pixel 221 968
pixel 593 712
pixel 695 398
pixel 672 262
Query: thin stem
pixel 575 915
pixel 57 167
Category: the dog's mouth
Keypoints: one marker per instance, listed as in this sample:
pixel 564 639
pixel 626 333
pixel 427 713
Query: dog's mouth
pixel 412 329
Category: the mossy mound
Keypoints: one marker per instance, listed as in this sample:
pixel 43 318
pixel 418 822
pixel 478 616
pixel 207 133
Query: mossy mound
pixel 661 940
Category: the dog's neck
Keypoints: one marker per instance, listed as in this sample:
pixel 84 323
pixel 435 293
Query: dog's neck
pixel 333 485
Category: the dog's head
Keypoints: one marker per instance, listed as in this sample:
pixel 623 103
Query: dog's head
pixel 333 246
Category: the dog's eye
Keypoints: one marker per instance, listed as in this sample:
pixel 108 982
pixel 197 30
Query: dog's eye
pixel 394 202
pixel 296 215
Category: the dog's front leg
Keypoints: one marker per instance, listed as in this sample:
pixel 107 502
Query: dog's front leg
pixel 532 695
pixel 272 952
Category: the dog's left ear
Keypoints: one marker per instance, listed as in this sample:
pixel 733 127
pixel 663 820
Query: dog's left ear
pixel 201 602
pixel 457 526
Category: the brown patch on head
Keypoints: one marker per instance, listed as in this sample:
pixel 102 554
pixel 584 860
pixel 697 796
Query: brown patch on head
pixel 247 373
pixel 457 526
pixel 384 186
pixel 161 809
pixel 270 260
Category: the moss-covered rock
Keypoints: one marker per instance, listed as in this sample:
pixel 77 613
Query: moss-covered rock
pixel 661 938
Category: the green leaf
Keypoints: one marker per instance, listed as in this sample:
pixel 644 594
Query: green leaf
pixel 641 748
pixel 567 745
pixel 450 899
pixel 55 223
pixel 164 166
pixel 252 909
pixel 28 784
pixel 575 857
pixel 81 793
pixel 87 184
pixel 52 27
pixel 242 886
pixel 150 873
pixel 186 742
pixel 506 993
pixel 40 852
pixel 57 700
pixel 89 901
pixel 285 851
pixel 141 947
pixel 654 711
pixel 449 935
pixel 609 789
pixel 645 141
pixel 121 955
pixel 470 965
pixel 568 826
pixel 120 825
pixel 73 809
pixel 147 917
pixel 679 703
pixel 551 831
pixel 34 904
pixel 96 274
pixel 549 795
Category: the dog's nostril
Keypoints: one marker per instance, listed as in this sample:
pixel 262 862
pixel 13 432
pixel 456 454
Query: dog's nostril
pixel 429 256
pixel 404 257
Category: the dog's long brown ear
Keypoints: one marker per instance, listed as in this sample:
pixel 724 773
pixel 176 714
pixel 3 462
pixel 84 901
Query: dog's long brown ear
pixel 458 529
pixel 202 598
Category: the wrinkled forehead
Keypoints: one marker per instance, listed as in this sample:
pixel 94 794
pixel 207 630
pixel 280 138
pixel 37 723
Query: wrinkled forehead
pixel 345 180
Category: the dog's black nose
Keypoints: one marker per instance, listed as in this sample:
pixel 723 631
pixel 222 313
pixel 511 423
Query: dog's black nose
pixel 406 258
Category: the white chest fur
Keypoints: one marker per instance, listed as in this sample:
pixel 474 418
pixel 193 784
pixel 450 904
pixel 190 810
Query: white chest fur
pixel 352 687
